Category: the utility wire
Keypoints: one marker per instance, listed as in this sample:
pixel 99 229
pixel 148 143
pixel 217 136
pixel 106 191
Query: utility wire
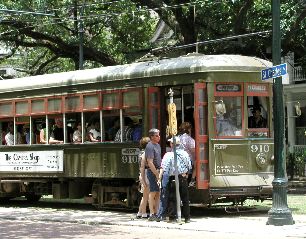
pixel 169 48
pixel 71 19
pixel 18 12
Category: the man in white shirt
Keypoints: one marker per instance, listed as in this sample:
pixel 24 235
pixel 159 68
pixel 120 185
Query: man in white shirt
pixel 9 137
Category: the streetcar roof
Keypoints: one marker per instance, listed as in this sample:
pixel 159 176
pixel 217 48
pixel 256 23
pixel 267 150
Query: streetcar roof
pixel 192 63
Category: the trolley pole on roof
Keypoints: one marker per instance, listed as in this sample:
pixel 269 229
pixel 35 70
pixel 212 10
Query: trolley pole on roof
pixel 279 214
pixel 173 132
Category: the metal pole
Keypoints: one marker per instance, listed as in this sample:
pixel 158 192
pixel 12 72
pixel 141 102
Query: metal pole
pixel 177 191
pixel 177 184
pixel 279 214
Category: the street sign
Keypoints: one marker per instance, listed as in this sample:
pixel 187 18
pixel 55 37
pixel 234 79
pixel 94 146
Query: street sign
pixel 274 72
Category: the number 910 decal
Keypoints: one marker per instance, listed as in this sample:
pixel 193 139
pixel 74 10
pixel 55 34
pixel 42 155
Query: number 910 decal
pixel 261 148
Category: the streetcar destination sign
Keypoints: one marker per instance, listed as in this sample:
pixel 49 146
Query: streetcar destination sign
pixel 273 72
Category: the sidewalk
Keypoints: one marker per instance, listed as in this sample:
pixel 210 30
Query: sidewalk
pixel 248 226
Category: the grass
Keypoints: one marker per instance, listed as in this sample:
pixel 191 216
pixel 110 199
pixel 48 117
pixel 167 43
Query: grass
pixel 296 203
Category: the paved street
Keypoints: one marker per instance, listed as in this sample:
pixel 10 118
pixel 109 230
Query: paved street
pixel 52 222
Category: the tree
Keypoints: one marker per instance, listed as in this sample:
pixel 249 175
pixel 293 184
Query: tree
pixel 51 43
pixel 202 20
pixel 116 32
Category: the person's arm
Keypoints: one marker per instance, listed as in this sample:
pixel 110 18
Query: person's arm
pixel 55 141
pixel 91 138
pixel 152 167
pixel 142 171
pixel 42 137
pixel 160 175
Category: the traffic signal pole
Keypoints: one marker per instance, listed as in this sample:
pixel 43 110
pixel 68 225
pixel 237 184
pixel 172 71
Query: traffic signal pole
pixel 279 214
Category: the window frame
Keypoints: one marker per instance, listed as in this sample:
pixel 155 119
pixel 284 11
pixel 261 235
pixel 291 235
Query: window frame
pixel 45 107
pixel 264 93
pixel 227 93
pixel 61 105
pixel 28 101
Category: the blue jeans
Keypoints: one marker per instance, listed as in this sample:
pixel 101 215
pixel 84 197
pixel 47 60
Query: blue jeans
pixel 164 196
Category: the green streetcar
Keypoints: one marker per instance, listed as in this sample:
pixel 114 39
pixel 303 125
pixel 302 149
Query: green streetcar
pixel 216 93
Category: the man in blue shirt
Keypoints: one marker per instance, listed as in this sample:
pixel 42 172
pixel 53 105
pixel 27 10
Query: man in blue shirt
pixel 153 157
pixel 167 172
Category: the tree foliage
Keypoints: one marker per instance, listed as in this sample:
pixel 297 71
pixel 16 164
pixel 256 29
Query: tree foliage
pixel 118 31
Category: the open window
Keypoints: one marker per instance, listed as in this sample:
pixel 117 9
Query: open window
pixel 228 110
pixel 258 110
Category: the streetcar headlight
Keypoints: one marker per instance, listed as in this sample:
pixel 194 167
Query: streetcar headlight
pixel 261 160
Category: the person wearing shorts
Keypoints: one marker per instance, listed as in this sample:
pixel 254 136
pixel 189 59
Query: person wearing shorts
pixel 153 156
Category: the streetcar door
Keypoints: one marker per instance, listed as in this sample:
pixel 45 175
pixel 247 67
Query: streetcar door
pixel 154 107
pixel 201 137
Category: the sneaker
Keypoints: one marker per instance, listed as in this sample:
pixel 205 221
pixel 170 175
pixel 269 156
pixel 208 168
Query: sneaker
pixel 161 219
pixel 138 216
pixel 144 216
pixel 187 220
pixel 192 183
pixel 153 217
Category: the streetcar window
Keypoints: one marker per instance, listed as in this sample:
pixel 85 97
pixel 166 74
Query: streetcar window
pixel 73 128
pixel 110 101
pixel 38 106
pixel 72 103
pixel 56 130
pixel 6 109
pixel 228 109
pixel 258 109
pixel 93 131
pixel 90 102
pixel 22 108
pixel 55 105
pixel 131 99
pixel 228 116
pixel 39 131
pixel 23 130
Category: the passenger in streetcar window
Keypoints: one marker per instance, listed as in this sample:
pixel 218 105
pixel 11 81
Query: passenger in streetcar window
pixel 70 132
pixel 257 121
pixel 20 135
pixel 9 137
pixel 3 137
pixel 113 130
pixel 188 144
pixel 27 133
pixel 94 132
pixel 57 134
pixel 137 130
pixel 127 131
pixel 77 134
pixel 223 125
pixel 42 134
